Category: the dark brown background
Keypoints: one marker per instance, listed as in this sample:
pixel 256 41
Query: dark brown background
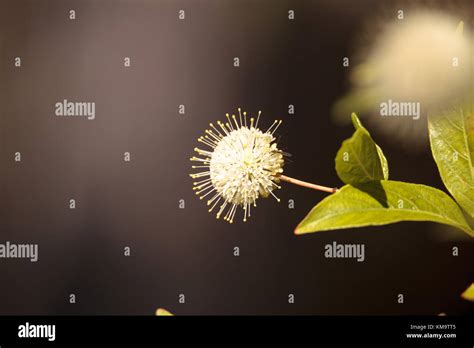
pixel 136 204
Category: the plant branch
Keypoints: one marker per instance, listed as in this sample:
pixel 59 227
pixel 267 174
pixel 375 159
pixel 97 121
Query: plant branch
pixel 308 184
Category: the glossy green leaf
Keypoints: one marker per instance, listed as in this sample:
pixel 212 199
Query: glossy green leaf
pixel 161 312
pixel 383 202
pixel 468 294
pixel 360 159
pixel 452 145
pixel 383 160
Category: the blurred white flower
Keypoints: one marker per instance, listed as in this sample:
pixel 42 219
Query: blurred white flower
pixel 420 59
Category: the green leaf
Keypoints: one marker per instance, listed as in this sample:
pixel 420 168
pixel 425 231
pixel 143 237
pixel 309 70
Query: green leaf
pixel 161 312
pixel 383 202
pixel 360 159
pixel 383 160
pixel 468 294
pixel 452 145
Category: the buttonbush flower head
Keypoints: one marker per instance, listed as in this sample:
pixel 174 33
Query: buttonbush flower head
pixel 423 58
pixel 240 163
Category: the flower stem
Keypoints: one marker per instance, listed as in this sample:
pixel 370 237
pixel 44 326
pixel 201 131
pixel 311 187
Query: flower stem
pixel 307 184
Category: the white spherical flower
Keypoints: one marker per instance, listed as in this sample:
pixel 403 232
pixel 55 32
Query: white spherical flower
pixel 423 60
pixel 242 164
